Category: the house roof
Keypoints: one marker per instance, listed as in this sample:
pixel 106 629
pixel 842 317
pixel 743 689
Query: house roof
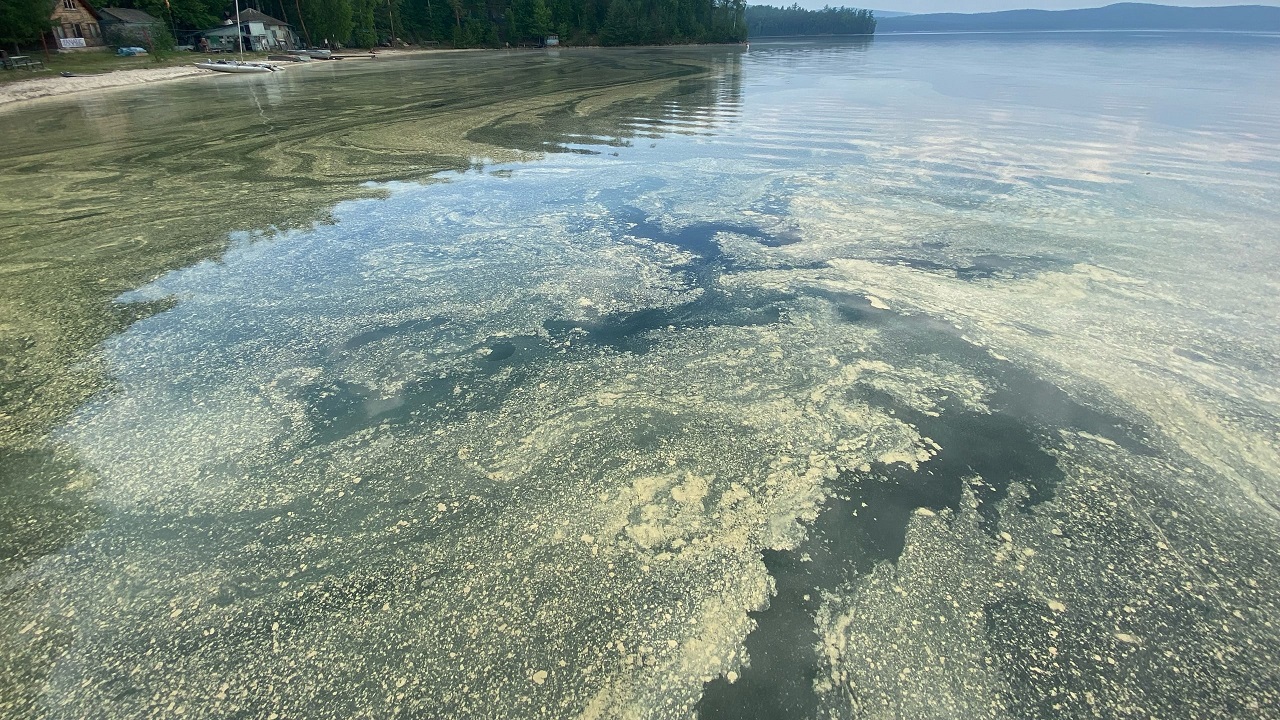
pixel 56 5
pixel 251 15
pixel 247 15
pixel 127 15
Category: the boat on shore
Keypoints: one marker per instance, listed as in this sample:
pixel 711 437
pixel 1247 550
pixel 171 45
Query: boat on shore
pixel 236 66
pixel 314 54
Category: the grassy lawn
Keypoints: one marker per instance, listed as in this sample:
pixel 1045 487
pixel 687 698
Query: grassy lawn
pixel 89 62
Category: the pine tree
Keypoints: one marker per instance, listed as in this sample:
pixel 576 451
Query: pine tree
pixel 24 20
pixel 329 20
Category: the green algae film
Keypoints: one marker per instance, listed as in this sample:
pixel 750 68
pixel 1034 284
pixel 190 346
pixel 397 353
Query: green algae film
pixel 820 382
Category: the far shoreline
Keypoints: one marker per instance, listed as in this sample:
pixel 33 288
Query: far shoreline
pixel 21 93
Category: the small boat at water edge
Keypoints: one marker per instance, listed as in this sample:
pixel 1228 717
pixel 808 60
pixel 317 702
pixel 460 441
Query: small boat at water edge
pixel 313 54
pixel 235 66
pixel 289 58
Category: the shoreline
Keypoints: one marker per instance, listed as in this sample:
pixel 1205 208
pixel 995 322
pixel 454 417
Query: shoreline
pixel 23 92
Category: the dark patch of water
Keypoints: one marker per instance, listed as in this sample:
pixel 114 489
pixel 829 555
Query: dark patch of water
pixel 698 238
pixel 777 240
pixel 630 331
pixel 633 332
pixel 349 407
pixel 473 386
pixel 1191 355
pixel 983 266
pixel 1032 330
pixel 865 520
pixel 499 351
pixel 387 331
pixel 1020 394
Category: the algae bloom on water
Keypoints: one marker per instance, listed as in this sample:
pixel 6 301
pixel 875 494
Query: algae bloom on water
pixel 927 377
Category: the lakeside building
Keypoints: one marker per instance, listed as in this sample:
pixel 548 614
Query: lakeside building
pixel 126 26
pixel 260 31
pixel 76 25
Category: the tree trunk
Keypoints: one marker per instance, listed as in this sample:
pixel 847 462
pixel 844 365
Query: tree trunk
pixel 303 23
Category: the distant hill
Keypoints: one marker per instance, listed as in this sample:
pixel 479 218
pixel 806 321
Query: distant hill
pixel 1122 16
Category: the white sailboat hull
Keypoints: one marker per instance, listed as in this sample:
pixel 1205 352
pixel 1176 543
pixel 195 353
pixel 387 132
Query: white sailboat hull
pixel 235 67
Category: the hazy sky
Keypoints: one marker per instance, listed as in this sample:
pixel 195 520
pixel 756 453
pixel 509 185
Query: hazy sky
pixel 925 6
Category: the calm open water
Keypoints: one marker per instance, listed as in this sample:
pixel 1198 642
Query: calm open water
pixel 919 377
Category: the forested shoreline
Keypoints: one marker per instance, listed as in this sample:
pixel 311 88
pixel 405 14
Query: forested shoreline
pixel 484 23
pixel 457 23
pixel 766 21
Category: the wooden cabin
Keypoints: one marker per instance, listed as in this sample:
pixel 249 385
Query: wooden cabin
pixel 126 26
pixel 76 25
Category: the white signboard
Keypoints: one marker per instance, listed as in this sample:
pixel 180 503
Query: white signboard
pixel 70 42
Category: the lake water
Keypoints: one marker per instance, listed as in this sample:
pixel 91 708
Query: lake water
pixel 919 377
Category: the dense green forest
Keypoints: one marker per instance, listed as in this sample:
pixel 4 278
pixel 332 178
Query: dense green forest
pixel 23 20
pixel 487 23
pixel 460 23
pixel 765 20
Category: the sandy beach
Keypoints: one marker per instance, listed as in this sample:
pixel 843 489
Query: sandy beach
pixel 50 85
